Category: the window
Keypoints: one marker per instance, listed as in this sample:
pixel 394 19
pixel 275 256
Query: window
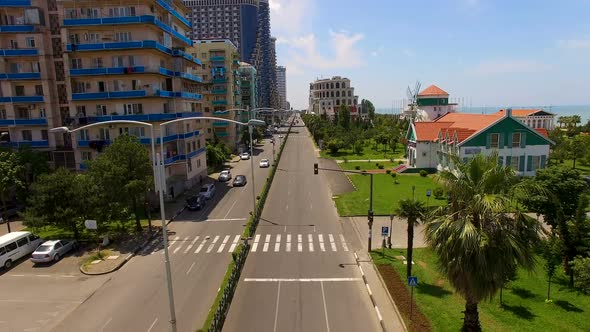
pixel 19 90
pixel 132 109
pixel 208 130
pixel 188 147
pixel 86 155
pixel 101 86
pixel 516 140
pixel 83 135
pixel 27 135
pixel 536 162
pixel 132 60
pixel 97 62
pixel 2 251
pixel 123 36
pixel 30 42
pixel 104 134
pixel 22 242
pixel 39 90
pixel 10 247
pixel 92 37
pixel 3 114
pixel 101 110
pixel 118 61
pixel 33 238
pixel 514 162
pixel 494 141
pixel 44 135
pixel 198 163
pixel 195 145
pixel 190 165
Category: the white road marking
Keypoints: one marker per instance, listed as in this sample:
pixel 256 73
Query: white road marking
pixel 310 240
pixel 225 239
pixel 321 239
pixel 105 324
pixel 277 306
pixel 266 243
pixel 278 243
pixel 191 245
pixel 378 313
pixel 180 246
pixel 332 243
pixel 200 246
pixel 325 307
pixel 153 324
pixel 213 243
pixel 288 242
pixel 234 244
pixel 255 245
pixel 230 219
pixel 173 241
pixel 190 268
pixel 343 242
pixel 299 244
pixel 300 279
pixel 228 211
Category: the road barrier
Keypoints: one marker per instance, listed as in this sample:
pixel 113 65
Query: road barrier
pixel 220 307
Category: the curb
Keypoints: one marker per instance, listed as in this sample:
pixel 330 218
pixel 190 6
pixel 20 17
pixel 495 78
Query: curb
pixel 135 251
pixel 389 297
pixel 356 257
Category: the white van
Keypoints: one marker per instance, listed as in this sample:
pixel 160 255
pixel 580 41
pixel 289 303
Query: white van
pixel 16 245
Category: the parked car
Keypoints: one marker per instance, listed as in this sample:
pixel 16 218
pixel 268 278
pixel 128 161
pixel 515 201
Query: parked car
pixel 225 175
pixel 16 245
pixel 207 191
pixel 240 181
pixel 264 163
pixel 196 202
pixel 244 156
pixel 53 251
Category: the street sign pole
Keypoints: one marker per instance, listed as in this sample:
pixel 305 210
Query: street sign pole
pixel 412 303
pixel 428 194
pixel 412 282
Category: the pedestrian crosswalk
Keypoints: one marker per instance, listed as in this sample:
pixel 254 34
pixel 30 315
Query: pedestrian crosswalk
pixel 261 243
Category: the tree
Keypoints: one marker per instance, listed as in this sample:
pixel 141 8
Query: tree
pixel 344 117
pixel 581 267
pixel 577 149
pixel 33 165
pixel 334 145
pixel 10 179
pixel 551 252
pixel 479 237
pixel 124 173
pixel 368 107
pixel 412 211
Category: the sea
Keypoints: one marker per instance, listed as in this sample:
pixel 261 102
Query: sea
pixel 563 110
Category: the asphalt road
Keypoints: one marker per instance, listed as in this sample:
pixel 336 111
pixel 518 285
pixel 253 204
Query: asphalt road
pixel 135 298
pixel 301 273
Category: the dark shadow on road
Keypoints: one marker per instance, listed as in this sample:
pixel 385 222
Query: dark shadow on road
pixel 523 293
pixel 520 311
pixel 433 290
pixel 565 305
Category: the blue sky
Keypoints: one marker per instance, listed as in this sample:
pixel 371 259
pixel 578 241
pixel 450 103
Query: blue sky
pixel 491 52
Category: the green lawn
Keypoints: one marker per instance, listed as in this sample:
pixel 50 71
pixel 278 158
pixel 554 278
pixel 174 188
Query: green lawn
pixel 369 153
pixel 367 166
pixel 386 194
pixel 524 306
pixel 53 232
pixel 583 169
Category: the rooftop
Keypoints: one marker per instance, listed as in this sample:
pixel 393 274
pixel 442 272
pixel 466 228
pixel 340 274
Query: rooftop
pixel 433 90
pixel 525 112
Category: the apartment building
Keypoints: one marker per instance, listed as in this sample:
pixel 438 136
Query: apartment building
pixel 128 60
pixel 248 85
pixel 282 86
pixel 28 94
pixel 222 91
pixel 327 95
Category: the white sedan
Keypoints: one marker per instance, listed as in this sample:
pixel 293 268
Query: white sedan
pixel 264 163
pixel 244 156
pixel 52 251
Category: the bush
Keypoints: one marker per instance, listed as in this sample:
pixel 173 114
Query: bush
pixel 423 173
pixel 381 166
pixel 345 160
pixel 388 171
pixel 400 162
pixel 394 175
pixel 581 267
pixel 377 164
pixel 357 167
pixel 438 193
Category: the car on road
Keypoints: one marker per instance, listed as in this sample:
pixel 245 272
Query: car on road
pixel 207 191
pixel 225 175
pixel 264 163
pixel 240 181
pixel 53 251
pixel 15 245
pixel 196 202
pixel 244 156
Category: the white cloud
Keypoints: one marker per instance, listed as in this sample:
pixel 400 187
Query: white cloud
pixel 498 67
pixel 289 16
pixel 575 44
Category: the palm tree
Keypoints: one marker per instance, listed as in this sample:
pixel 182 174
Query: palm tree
pixel 411 210
pixel 479 238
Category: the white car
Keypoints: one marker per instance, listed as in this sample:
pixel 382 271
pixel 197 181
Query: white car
pixel 225 175
pixel 207 190
pixel 264 163
pixel 244 156
pixel 52 251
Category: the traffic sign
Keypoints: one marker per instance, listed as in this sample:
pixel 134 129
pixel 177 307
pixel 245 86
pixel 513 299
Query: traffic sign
pixel 384 231
pixel 428 193
pixel 412 281
pixel 90 224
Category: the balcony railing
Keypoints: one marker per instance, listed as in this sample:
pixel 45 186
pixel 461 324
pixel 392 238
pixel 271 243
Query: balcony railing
pixel 22 99
pixel 21 28
pixel 15 3
pixel 219 102
pixel 181 157
pixel 109 95
pixel 23 122
pixel 142 117
pixel 219 80
pixel 33 144
pixel 20 76
pixel 107 71
pixel 19 52
pixel 176 14
pixel 220 123
pixel 217 58
pixel 219 91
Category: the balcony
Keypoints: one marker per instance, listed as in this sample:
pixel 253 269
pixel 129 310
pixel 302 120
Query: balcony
pixel 33 144
pixel 190 77
pixel 109 95
pixel 107 71
pixel 217 59
pixel 219 102
pixel 24 122
pixel 219 91
pixel 221 134
pixel 181 157
pixel 22 99
pixel 176 14
pixel 20 76
pixel 143 117
pixel 181 94
pixel 15 3
pixel 220 123
pixel 21 28
pixel 219 80
pixel 181 53
pixel 144 19
pixel 19 52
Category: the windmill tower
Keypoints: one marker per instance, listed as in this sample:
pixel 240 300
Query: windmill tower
pixel 411 109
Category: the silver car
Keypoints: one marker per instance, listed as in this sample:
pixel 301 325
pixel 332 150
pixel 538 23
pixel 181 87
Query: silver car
pixel 225 175
pixel 52 250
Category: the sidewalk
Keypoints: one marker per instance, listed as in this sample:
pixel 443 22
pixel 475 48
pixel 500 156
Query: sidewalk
pixel 368 161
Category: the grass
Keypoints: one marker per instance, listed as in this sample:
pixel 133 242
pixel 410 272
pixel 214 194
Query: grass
pixel 52 232
pixel 369 153
pixel 386 194
pixel 97 256
pixel 367 166
pixel 523 309
pixel 583 169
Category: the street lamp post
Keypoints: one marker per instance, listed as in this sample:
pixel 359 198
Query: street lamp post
pixel 390 229
pixel 250 130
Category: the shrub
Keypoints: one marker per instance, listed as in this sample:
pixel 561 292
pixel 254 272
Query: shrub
pixel 394 175
pixel 357 167
pixel 400 162
pixel 345 160
pixel 438 193
pixel 423 173
pixel 381 166
pixel 377 164
pixel 581 267
pixel 388 171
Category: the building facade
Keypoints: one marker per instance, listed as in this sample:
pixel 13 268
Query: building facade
pixel 327 95
pixel 222 89
pixel 431 103
pixel 28 87
pixel 248 85
pixel 128 60
pixel 282 86
pixel 432 143
pixel 534 118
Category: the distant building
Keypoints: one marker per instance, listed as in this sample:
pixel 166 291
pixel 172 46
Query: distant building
pixel 431 143
pixel 534 118
pixel 431 103
pixel 327 95
pixel 248 85
pixel 282 86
